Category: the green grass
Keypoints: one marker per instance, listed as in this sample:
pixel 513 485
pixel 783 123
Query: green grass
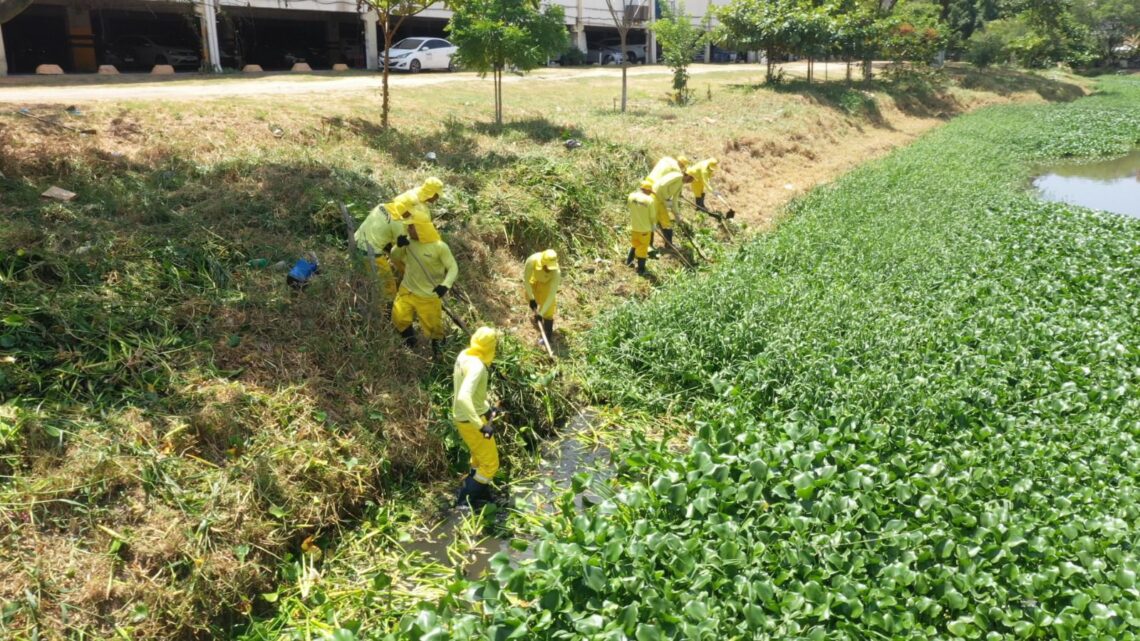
pixel 175 424
pixel 913 413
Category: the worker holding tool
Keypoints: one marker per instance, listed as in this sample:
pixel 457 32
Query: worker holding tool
pixel 702 173
pixel 541 278
pixel 641 217
pixel 666 194
pixel 384 231
pixel 474 417
pixel 429 274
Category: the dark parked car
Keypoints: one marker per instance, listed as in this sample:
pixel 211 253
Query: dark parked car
pixel 143 52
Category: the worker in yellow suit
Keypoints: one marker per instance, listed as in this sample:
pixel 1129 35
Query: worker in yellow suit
pixel 416 200
pixel 641 218
pixel 702 173
pixel 666 193
pixel 541 278
pixel 473 417
pixel 430 272
pixel 387 237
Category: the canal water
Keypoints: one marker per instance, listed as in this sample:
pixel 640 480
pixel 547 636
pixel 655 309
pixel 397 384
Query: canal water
pixel 1108 185
pixel 561 460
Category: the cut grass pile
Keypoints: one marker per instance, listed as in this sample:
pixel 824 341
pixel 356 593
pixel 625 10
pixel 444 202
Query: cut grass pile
pixel 176 424
pixel 913 414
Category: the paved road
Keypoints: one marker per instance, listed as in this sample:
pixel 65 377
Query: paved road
pixel 70 89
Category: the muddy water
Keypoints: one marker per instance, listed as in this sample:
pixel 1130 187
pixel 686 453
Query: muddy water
pixel 561 460
pixel 1110 185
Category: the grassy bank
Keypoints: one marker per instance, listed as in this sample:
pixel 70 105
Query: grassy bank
pixel 911 413
pixel 177 427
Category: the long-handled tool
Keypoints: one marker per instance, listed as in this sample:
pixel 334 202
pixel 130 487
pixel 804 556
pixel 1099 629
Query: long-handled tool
pixel 731 213
pixel 350 228
pixel 25 112
pixel 676 251
pixel 692 237
pixel 718 217
pixel 545 338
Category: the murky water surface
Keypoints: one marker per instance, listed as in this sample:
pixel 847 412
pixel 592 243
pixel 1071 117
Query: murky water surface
pixel 1109 185
pixel 563 459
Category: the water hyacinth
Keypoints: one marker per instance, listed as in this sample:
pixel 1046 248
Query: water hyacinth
pixel 914 415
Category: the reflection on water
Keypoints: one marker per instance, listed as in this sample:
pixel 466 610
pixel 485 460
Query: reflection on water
pixel 1110 185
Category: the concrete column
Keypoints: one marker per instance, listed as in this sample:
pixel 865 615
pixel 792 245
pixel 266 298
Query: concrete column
pixel 81 40
pixel 580 38
pixel 708 52
pixel 332 40
pixel 371 41
pixel 3 56
pixel 212 59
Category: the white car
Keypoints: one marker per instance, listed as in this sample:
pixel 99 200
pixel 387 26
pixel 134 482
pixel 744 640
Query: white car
pixel 416 54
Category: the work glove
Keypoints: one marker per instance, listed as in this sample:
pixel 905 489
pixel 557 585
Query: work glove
pixel 402 241
pixel 388 248
pixel 488 430
pixel 440 290
pixel 534 306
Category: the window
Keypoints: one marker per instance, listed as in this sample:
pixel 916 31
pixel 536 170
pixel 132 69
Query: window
pixel 438 44
pixel 409 43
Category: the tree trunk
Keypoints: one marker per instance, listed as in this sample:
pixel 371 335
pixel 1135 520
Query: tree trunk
pixel 868 72
pixel 498 80
pixel 386 103
pixel 624 65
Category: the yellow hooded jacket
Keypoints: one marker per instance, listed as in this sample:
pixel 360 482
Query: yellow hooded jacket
pixel 668 188
pixel 641 212
pixel 702 173
pixel 379 230
pixel 664 167
pixel 469 378
pixel 428 263
pixel 546 280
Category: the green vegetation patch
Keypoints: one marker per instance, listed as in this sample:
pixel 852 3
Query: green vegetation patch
pixel 914 411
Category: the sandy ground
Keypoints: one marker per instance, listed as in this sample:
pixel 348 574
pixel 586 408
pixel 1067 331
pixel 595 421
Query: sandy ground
pixel 68 89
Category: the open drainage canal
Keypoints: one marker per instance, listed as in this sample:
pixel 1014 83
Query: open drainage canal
pixel 561 460
pixel 1109 185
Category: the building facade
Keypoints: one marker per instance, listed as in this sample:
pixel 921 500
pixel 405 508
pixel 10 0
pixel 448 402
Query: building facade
pixel 80 35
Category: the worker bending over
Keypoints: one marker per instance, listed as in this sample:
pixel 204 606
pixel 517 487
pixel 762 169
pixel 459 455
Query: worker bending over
pixel 641 218
pixel 429 274
pixel 666 194
pixel 473 417
pixel 386 236
pixel 417 199
pixel 541 278
pixel 701 173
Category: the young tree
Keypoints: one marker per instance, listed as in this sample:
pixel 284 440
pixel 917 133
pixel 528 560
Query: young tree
pixel 680 40
pixel 626 19
pixel 392 14
pixel 493 35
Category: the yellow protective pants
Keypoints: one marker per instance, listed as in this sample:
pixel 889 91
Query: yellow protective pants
pixel 387 271
pixel 640 241
pixel 698 187
pixel 540 292
pixel 484 452
pixel 664 218
pixel 429 309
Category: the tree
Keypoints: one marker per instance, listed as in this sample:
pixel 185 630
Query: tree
pixel 629 16
pixel 399 11
pixel 680 40
pixel 1111 23
pixel 493 35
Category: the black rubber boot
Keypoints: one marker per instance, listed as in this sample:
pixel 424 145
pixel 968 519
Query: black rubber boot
pixel 409 335
pixel 701 203
pixel 668 236
pixel 548 327
pixel 629 257
pixel 466 490
pixel 641 266
pixel 436 347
